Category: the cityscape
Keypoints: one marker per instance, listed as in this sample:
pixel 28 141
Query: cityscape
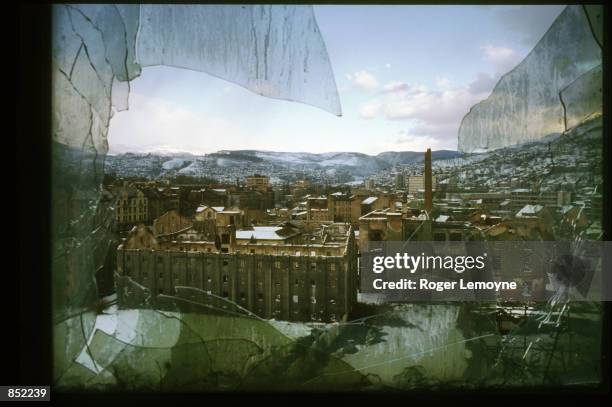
pixel 233 266
pixel 549 190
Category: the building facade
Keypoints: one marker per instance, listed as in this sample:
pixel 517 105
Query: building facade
pixel 132 208
pixel 257 181
pixel 286 281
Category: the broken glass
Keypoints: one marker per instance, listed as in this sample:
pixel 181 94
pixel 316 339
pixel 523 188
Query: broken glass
pixel 526 104
pixel 192 341
pixel 276 51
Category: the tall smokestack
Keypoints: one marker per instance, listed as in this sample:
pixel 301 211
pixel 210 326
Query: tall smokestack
pixel 428 186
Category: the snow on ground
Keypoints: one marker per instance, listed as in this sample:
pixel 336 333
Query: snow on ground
pixel 173 164
pixel 293 330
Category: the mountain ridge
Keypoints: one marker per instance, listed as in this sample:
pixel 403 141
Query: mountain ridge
pixel 356 164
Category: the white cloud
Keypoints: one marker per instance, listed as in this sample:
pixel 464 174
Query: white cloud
pixel 152 122
pixel 411 142
pixel 394 86
pixel 482 83
pixel 363 80
pixel 443 83
pixel 398 89
pixel 502 58
pixel 428 115
pixel 446 104
pixel 370 109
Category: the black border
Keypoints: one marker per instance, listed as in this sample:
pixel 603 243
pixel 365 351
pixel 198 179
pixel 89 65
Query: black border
pixel 33 189
pixel 32 364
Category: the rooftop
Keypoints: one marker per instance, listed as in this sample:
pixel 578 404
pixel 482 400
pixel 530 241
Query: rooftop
pixel 369 200
pixel 262 233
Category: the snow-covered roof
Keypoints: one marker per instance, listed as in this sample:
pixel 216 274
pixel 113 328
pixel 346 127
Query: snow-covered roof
pixel 369 200
pixel 529 210
pixel 230 210
pixel 261 232
pixel 442 218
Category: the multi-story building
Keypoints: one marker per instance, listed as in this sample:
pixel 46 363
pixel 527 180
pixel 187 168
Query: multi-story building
pixel 340 207
pixel 257 181
pixel 171 222
pixel 523 196
pixel 169 198
pixel 154 203
pixel 132 207
pixel 318 209
pixel 275 272
pixel 416 183
pixel 376 202
pixel 253 203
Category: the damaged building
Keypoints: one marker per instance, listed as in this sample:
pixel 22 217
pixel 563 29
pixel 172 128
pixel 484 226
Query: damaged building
pixel 280 272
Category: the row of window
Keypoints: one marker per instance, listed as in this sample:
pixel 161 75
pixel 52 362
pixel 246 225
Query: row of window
pixel 260 297
pixel 131 209
pixel 225 279
pixel 242 263
pixel 131 218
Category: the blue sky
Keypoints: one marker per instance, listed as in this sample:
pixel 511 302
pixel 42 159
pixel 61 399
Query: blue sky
pixel 406 75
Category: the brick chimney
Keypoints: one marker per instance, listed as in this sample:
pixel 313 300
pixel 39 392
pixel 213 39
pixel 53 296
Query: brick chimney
pixel 428 186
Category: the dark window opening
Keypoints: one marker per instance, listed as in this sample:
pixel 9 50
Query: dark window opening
pixel 375 235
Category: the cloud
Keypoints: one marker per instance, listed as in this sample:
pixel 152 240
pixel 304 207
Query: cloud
pixel 444 83
pixel 502 58
pixel 411 142
pixel 426 114
pixel 394 87
pixel 401 88
pixel 151 122
pixel 482 83
pixel 529 22
pixel 447 104
pixel 363 80
pixel 370 109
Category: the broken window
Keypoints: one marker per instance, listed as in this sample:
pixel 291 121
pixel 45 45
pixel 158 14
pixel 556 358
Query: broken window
pixel 275 51
pixel 161 343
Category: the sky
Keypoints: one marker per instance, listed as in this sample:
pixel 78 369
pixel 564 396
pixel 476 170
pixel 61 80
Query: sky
pixel 406 76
